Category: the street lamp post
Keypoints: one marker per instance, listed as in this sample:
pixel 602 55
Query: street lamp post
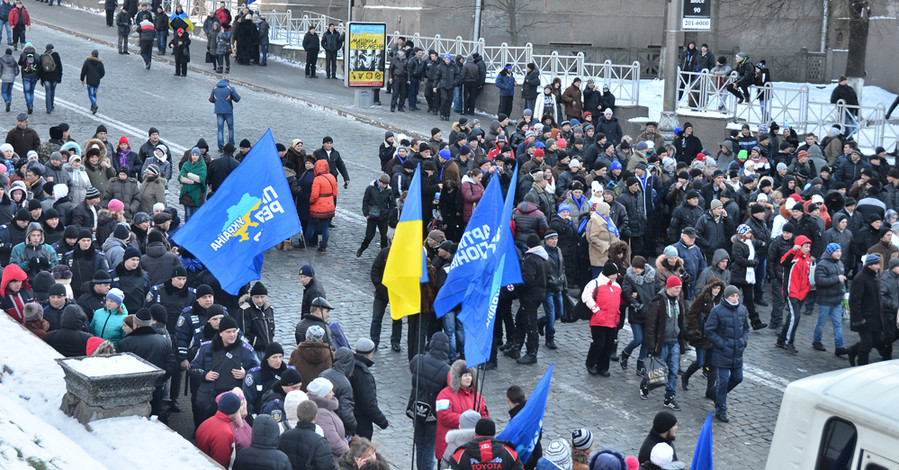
pixel 668 119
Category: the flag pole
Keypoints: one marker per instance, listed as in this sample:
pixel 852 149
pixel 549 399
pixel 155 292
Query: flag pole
pixel 415 400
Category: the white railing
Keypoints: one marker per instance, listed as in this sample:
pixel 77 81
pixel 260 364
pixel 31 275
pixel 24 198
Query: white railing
pixel 866 124
pixel 496 57
pixel 623 80
pixel 283 27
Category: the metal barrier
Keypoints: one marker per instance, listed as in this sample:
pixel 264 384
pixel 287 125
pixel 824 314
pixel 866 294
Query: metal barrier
pixel 866 124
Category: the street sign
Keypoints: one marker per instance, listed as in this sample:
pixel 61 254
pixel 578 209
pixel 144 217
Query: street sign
pixel 697 15
pixel 365 54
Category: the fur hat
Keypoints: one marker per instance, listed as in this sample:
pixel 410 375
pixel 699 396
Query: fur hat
pixel 33 311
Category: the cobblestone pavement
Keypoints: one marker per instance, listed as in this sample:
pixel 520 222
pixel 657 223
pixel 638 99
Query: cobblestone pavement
pixel 133 99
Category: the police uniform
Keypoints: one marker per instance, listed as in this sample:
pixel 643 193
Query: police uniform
pixel 189 330
pixel 174 303
pixel 255 386
pixel 214 356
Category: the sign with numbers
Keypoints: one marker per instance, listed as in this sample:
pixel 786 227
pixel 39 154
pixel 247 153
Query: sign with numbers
pixel 697 15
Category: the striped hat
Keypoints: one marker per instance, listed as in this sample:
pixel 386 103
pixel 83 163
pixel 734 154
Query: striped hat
pixel 559 453
pixel 582 439
pixel 92 193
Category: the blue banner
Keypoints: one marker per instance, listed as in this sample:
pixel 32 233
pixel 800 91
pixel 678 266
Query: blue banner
pixel 500 268
pixel 523 431
pixel 252 211
pixel 473 251
pixel 702 456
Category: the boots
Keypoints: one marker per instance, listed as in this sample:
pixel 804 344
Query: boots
pixel 689 373
pixel 287 246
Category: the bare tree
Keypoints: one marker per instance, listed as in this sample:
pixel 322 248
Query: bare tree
pixel 859 14
pixel 516 21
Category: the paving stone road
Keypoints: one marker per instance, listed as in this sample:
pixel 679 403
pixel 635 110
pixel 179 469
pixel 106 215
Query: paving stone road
pixel 133 99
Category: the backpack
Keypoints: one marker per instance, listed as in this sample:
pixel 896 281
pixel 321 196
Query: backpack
pixel 48 65
pixel 30 63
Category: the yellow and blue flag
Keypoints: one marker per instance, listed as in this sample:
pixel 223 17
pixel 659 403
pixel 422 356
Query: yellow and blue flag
pixel 252 211
pixel 406 264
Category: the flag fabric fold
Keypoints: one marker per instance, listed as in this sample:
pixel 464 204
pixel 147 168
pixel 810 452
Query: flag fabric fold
pixel 702 456
pixel 501 267
pixel 252 211
pixel 523 430
pixel 406 264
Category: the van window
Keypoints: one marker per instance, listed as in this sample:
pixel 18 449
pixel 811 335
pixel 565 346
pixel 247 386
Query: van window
pixel 837 445
pixel 874 466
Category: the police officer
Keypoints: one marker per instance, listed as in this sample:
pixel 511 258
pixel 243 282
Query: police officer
pixel 273 400
pixel 261 378
pixel 175 297
pixel 319 311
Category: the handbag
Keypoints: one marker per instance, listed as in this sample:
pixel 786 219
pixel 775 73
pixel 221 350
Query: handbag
pixel 811 274
pixel 656 373
pixel 568 306
pixel 582 311
pixel 209 58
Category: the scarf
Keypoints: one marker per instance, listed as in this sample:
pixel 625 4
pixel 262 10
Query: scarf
pixel 611 225
pixel 194 191
pixel 750 272
pixel 123 158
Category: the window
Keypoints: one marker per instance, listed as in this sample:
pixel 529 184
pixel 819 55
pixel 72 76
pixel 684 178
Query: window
pixel 837 445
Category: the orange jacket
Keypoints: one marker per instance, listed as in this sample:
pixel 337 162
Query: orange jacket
pixel 324 192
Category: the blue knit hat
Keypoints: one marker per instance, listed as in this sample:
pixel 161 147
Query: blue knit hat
pixel 563 207
pixel 831 247
pixel 871 259
pixel 616 165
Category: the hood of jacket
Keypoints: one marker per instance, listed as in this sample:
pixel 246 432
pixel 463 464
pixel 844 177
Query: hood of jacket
pixel 460 435
pixel 112 242
pixel 527 208
pixel 719 256
pixel 265 432
pixel 95 146
pixel 155 250
pixel 329 404
pixel 454 376
pixel 344 361
pixel 837 218
pixel 321 167
pixel 711 284
pixel 648 276
pixel 13 272
pixel 222 83
pixel 539 251
pixel 73 317
pixel 439 346
pixel 32 227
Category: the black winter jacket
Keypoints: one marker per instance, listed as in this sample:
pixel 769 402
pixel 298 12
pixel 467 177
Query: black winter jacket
pixel 152 347
pixel 134 284
pixel 71 339
pixel 711 235
pixel 429 374
pixel 305 449
pixel 533 274
pixel 657 317
pixel 865 311
pixel 377 202
pixel 727 327
pixel 645 287
pixel 447 76
pixel 829 290
pixel 633 205
pixel 263 453
pixel 684 215
pixel 339 374
pixel 740 262
pixel 365 395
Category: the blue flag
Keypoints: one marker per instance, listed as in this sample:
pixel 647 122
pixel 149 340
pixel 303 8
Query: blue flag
pixel 472 253
pixel 500 267
pixel 702 456
pixel 523 431
pixel 252 211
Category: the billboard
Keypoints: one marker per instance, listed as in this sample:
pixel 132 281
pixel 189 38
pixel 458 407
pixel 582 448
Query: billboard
pixel 365 53
pixel 697 15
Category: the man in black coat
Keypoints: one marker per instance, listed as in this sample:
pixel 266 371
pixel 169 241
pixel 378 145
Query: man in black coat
pixel 335 163
pixel 311 45
pixel 332 41
pixel 664 429
pixel 865 313
pixel 71 339
pixel 130 277
pixel 377 202
pixel 727 327
pixel 155 349
pixel 365 393
pixel 847 94
pixel 220 168
pixel 446 79
pixel 312 290
pixel 379 307
pixel 304 448
pixel 429 373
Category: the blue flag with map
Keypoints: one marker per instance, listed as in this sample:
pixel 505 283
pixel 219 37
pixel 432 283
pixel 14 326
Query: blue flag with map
pixel 252 211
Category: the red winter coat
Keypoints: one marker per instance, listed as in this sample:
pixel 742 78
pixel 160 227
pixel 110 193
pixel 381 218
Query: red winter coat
pixel 216 439
pixel 323 192
pixel 796 270
pixel 14 17
pixel 452 401
pixel 13 272
pixel 603 297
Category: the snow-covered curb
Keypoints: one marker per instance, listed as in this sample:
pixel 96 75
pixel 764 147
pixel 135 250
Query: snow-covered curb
pixel 31 424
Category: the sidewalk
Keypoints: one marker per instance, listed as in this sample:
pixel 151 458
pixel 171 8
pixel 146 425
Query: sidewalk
pixel 279 78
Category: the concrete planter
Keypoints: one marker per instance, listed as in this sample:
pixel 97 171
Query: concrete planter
pixel 112 390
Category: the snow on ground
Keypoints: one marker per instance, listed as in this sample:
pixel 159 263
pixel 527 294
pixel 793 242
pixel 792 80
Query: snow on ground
pixel 31 390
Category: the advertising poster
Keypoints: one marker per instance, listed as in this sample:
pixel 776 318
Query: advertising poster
pixel 366 48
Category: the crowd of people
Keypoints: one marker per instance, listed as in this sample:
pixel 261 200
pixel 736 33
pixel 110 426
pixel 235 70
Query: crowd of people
pixel 675 239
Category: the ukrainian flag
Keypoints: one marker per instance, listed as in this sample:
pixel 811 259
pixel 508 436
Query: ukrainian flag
pixel 405 269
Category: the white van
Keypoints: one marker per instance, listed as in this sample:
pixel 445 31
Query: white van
pixel 846 419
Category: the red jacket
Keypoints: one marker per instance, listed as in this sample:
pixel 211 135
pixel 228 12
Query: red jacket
pixel 796 271
pixel 14 304
pixel 323 192
pixel 603 297
pixel 451 402
pixel 14 17
pixel 216 439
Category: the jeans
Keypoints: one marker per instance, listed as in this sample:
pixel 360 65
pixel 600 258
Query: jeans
pixel 28 85
pixel 637 329
pixel 50 94
pixel 319 226
pixel 458 100
pixel 849 123
pixel 554 309
pixel 224 59
pixel 263 50
pixel 450 327
pixel 123 44
pixel 529 103
pixel 671 357
pixel 221 120
pixel 413 93
pixel 377 317
pixel 92 95
pixel 4 25
pixel 760 269
pixel 161 37
pixel 7 92
pixel 728 379
pixel 835 314
pixel 425 439
pixel 189 212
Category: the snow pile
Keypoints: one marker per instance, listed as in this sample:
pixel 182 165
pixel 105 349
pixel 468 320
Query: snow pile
pixel 31 390
pixel 113 365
